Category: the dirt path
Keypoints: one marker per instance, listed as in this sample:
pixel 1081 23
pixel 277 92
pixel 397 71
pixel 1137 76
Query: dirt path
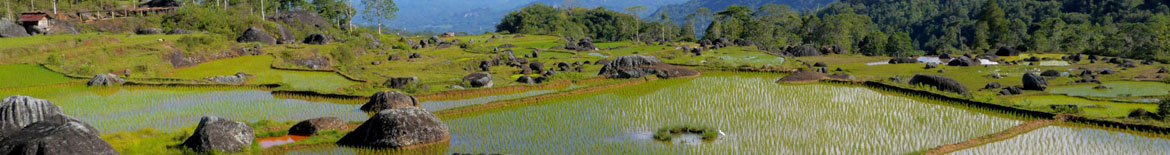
pixel 1002 135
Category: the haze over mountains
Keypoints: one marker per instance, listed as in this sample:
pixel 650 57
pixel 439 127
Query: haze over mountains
pixel 478 16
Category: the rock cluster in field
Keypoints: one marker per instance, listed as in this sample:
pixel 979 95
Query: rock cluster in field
pixel 478 79
pixel 36 126
pixel 400 82
pixel 636 66
pixel 1034 82
pixel 107 79
pixel 255 34
pixel 237 79
pixel 941 83
pixel 216 134
pixel 389 100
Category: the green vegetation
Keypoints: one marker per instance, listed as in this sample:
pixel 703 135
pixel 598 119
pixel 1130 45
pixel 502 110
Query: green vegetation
pixel 1116 89
pixel 18 75
pixel 260 66
pixel 1075 140
pixel 668 133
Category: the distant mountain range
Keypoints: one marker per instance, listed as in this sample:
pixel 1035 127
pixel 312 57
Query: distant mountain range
pixel 478 16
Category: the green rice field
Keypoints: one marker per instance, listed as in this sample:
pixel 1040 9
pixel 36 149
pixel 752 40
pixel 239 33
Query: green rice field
pixel 754 115
pixel 1075 140
pixel 17 75
pixel 1118 89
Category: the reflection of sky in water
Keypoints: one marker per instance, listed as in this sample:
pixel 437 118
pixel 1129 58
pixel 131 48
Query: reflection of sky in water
pixel 1074 140
pixel 448 104
pixel 598 55
pixel 167 110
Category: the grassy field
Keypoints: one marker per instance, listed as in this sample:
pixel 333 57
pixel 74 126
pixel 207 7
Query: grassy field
pixel 259 66
pixel 18 75
pixel 1099 109
pixel 1117 89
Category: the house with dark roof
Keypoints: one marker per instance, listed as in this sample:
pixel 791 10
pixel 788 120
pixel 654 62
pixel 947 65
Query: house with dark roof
pixel 35 23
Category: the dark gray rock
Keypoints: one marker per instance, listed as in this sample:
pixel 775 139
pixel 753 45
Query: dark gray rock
pixel 939 82
pixel 485 66
pixel 238 78
pixel 478 79
pixel 963 61
pixel 803 51
pixel 179 31
pixel 312 126
pixel 9 28
pixel 564 66
pixel 1013 90
pixel 820 64
pixel 398 128
pixel 254 34
pixel 16 112
pixel 216 134
pixel 389 100
pixel 316 39
pixel 1007 51
pixel 161 3
pixel 586 44
pixel 902 60
pixel 636 66
pixel 1035 82
pixel 55 134
pixel 1107 71
pixel 992 85
pixel 400 82
pixel 931 65
pixel 148 31
pixel 415 55
pixel 536 67
pixel 286 35
pixel 1050 73
pixel 107 79
pixel 526 80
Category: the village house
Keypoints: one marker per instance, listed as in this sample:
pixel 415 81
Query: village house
pixel 35 23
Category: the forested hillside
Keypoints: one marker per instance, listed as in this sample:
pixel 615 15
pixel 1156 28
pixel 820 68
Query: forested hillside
pixel 1130 28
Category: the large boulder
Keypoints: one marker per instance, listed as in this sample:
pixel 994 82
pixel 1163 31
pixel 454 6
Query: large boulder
pixel 254 34
pixel 636 66
pixel 1034 82
pixel 1050 73
pixel 316 39
pixel 286 35
pixel 107 79
pixel 16 112
pixel 939 82
pixel 526 80
pixel 389 100
pixel 963 61
pixel 478 79
pixel 148 31
pixel 536 67
pixel 36 126
pixel 400 82
pixel 238 78
pixel 992 85
pixel 9 29
pixel 62 27
pixel 1013 90
pixel 802 51
pixel 216 134
pixel 398 128
pixel 586 44
pixel 312 126
pixel 1007 51
pixel 301 20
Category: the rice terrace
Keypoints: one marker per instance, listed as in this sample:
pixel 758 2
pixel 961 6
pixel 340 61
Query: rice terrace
pixel 584 77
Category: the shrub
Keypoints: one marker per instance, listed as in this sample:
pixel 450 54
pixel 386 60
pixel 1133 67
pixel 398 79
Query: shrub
pixel 1164 107
pixel 666 134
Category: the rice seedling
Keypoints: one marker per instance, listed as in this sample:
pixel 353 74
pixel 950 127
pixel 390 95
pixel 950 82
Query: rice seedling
pixel 16 75
pixel 260 66
pixel 1075 140
pixel 131 108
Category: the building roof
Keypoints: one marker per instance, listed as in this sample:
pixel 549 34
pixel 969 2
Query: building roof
pixel 32 17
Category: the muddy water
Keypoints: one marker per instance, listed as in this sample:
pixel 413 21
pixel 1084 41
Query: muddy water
pixel 281 140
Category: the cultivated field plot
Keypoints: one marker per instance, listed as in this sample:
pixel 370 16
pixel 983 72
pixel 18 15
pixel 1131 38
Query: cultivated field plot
pixel 131 108
pixel 1116 89
pixel 1074 140
pixel 755 115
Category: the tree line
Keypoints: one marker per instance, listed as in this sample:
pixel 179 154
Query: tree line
pixel 1129 28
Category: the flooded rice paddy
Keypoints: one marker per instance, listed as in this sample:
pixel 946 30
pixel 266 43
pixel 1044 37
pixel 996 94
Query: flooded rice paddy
pixel 1074 140
pixel 755 114
pixel 1116 89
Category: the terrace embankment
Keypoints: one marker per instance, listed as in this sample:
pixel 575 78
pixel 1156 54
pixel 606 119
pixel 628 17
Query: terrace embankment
pixel 999 136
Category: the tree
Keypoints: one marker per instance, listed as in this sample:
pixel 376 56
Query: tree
pixel 334 10
pixel 898 45
pixel 715 30
pixel 998 27
pixel 637 25
pixel 1164 107
pixel 381 10
pixel 873 44
pixel 287 5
